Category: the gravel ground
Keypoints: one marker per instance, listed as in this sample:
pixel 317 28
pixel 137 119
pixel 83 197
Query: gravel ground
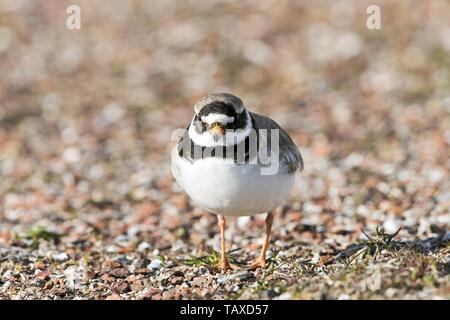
pixel 88 207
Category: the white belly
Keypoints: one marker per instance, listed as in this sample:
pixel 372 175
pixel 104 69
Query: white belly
pixel 228 189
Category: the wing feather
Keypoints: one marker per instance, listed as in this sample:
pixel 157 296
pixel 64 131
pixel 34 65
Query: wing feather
pixel 288 151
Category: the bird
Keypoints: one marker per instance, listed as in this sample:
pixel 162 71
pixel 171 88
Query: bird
pixel 233 162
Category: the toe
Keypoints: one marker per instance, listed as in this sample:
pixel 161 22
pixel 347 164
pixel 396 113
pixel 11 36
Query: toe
pixel 224 266
pixel 258 263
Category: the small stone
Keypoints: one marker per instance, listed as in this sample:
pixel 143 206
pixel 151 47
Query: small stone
pixel 169 263
pixel 390 225
pixel 137 286
pixel 43 275
pixel 60 257
pixel 238 275
pixel 119 273
pixel 89 275
pixel 284 296
pixel 154 291
pixel 143 246
pixel 48 285
pixel 199 281
pixel 106 277
pixel 111 248
pixel 141 271
pixel 154 264
pixel 178 273
pixel 72 155
pixel 390 292
pixel 170 295
pixel 325 260
pixel 176 280
pixel 113 264
pixel 121 287
pixel 272 293
pixel 343 296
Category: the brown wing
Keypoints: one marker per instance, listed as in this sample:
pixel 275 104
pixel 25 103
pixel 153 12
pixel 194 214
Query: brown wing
pixel 289 153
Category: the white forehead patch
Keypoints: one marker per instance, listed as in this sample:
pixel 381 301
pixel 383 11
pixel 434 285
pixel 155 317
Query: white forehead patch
pixel 217 117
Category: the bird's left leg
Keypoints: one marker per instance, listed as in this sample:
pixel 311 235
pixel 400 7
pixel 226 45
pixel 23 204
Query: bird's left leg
pixel 261 260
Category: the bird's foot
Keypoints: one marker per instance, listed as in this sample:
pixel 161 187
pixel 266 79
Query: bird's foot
pixel 224 265
pixel 260 262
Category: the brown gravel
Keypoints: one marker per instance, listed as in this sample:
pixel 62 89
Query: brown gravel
pixel 88 207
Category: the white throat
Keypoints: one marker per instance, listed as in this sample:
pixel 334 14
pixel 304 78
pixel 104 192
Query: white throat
pixel 231 137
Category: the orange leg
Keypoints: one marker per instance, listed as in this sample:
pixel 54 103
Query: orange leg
pixel 261 260
pixel 223 264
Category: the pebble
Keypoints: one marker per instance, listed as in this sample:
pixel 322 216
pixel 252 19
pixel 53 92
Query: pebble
pixel 199 281
pixel 343 296
pixel 391 225
pixel 119 272
pixel 143 246
pixel 155 264
pixel 72 155
pixel 60 257
pixel 121 287
pixel 241 275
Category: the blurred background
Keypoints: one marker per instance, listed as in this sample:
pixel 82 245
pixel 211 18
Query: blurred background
pixel 86 118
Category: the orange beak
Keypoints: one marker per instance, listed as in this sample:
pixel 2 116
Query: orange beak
pixel 217 129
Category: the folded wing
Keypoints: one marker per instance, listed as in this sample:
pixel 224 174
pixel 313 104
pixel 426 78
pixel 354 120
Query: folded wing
pixel 288 151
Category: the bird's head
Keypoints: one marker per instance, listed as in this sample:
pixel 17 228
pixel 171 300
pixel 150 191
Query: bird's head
pixel 217 117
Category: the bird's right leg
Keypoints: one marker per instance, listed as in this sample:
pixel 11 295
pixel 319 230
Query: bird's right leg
pixel 223 264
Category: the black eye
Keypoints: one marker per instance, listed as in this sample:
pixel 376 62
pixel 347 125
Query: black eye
pixel 204 126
